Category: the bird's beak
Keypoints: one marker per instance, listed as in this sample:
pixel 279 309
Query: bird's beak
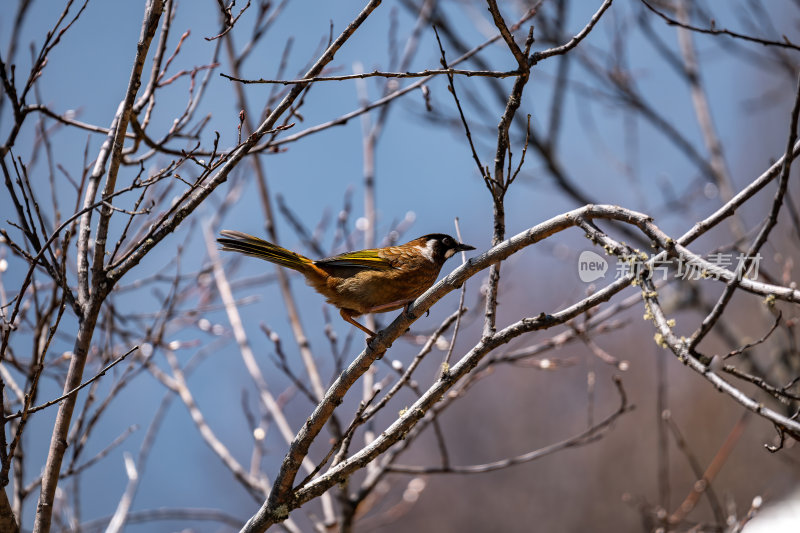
pixel 464 247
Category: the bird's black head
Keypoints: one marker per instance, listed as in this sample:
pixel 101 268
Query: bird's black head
pixel 440 247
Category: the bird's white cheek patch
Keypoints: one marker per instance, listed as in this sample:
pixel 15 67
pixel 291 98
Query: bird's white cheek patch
pixel 449 253
pixel 427 250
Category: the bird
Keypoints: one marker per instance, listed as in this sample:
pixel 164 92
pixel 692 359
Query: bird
pixel 375 280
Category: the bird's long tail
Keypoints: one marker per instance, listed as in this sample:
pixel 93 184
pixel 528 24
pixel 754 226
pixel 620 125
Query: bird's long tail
pixel 236 241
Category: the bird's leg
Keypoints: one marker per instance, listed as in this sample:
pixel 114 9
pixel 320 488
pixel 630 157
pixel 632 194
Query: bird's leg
pixel 348 317
pixel 388 307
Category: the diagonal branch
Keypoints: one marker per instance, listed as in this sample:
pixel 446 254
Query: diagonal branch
pixel 576 39
pixel 587 436
pixel 772 220
pixel 206 188
pixel 786 43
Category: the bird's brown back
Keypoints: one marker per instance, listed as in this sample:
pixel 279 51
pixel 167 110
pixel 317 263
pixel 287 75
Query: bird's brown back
pixel 410 274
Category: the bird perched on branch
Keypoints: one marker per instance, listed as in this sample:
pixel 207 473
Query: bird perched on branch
pixel 366 281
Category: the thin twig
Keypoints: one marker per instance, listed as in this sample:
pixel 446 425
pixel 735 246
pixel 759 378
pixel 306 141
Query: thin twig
pixel 786 43
pixel 76 389
pixel 428 73
pixel 587 436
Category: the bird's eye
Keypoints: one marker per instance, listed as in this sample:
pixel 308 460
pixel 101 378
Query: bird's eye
pixel 447 241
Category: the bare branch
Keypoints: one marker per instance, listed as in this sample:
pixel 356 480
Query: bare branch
pixel 74 391
pixel 427 73
pixel 572 43
pixel 786 43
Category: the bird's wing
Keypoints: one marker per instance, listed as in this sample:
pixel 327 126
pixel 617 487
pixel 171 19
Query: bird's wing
pixel 362 259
